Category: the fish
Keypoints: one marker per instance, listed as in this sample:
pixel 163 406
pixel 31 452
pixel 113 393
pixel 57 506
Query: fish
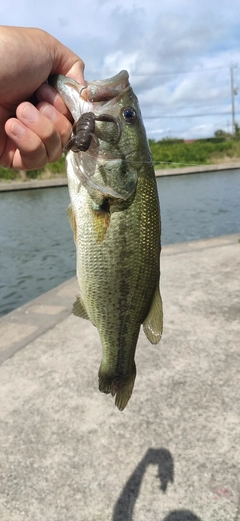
pixel 115 217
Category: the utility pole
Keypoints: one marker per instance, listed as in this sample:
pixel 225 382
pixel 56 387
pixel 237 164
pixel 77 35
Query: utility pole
pixel 233 93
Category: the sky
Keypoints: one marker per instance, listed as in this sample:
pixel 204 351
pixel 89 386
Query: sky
pixel 178 54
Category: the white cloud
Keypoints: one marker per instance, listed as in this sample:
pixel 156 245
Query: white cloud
pixel 118 60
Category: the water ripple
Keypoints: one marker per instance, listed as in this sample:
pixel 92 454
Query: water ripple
pixel 37 248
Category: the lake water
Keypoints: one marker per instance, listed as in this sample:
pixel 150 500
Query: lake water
pixel 37 249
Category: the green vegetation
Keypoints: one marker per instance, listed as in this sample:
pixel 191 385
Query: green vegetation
pixel 50 170
pixel 7 174
pixel 167 153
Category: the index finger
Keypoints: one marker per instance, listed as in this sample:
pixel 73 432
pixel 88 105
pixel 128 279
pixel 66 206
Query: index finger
pixel 76 72
pixel 50 95
pixel 4 115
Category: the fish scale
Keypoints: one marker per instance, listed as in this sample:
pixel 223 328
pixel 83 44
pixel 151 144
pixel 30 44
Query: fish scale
pixel 117 239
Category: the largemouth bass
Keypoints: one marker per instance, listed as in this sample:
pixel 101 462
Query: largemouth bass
pixel 115 217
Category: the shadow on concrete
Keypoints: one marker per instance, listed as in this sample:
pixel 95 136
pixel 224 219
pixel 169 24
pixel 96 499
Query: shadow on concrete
pixel 181 515
pixel 123 510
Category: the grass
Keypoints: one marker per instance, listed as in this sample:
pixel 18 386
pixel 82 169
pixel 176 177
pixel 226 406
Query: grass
pixel 49 171
pixel 165 154
pixel 200 152
pixel 7 174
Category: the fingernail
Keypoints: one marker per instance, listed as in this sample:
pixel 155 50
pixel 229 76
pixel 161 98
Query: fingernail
pixel 46 93
pixel 49 111
pixel 30 113
pixel 16 129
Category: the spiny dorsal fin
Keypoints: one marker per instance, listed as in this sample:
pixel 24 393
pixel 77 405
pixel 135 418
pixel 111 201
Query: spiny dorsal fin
pixel 153 323
pixel 78 308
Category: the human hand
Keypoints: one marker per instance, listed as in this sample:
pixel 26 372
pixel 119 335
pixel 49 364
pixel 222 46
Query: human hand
pixel 31 136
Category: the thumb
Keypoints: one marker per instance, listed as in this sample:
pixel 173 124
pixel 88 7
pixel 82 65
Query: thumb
pixel 76 72
pixel 66 62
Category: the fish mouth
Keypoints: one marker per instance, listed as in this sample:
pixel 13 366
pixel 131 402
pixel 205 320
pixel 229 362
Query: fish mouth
pixel 79 98
pixel 105 90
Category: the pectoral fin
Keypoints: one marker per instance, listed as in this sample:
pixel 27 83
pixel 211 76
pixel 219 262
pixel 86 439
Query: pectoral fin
pixel 101 220
pixel 72 221
pixel 78 308
pixel 153 323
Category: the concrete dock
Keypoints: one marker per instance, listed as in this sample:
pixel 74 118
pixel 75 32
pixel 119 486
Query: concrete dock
pixel 68 454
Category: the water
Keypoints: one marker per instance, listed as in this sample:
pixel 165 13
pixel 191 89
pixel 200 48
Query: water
pixel 199 206
pixel 37 249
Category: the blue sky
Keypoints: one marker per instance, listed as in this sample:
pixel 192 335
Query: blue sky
pixel 178 54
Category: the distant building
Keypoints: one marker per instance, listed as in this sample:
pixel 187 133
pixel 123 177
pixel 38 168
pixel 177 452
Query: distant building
pixel 189 141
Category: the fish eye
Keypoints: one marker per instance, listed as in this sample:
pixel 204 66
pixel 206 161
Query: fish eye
pixel 129 115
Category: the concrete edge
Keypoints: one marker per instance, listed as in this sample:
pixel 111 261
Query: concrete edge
pixel 33 185
pixel 62 181
pixel 197 169
pixel 26 323
pixel 201 244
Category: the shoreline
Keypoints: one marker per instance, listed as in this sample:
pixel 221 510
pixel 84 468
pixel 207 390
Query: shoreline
pixel 172 453
pixel 200 169
pixel 30 320
pixel 34 184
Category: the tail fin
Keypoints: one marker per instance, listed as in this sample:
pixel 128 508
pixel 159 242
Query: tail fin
pixel 122 391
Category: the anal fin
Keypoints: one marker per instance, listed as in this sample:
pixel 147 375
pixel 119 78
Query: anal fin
pixel 78 308
pixel 153 323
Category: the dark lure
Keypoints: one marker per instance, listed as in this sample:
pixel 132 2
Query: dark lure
pixel 84 130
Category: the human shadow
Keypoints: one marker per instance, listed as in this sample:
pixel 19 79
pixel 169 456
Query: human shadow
pixel 123 510
pixel 181 515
